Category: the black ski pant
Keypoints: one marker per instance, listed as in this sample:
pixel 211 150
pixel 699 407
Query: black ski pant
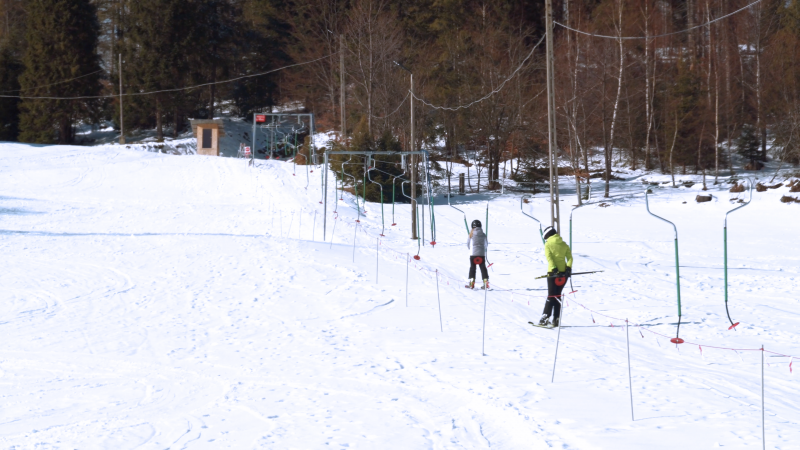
pixel 554 298
pixel 479 261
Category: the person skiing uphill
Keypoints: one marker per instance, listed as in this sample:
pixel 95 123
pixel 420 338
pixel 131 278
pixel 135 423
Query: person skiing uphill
pixel 559 268
pixel 477 238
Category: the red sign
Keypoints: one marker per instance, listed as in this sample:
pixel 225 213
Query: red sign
pixel 261 118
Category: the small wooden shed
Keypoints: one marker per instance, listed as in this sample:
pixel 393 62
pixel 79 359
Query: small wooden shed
pixel 207 132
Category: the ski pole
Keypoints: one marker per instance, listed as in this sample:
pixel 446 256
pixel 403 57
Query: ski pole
pixel 576 273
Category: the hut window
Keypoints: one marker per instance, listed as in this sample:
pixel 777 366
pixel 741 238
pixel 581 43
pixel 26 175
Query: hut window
pixel 206 137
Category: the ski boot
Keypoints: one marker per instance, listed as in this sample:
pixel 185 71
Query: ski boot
pixel 471 284
pixel 485 283
pixel 543 320
pixel 555 322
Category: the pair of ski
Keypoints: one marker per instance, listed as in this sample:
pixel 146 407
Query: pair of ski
pixel 548 326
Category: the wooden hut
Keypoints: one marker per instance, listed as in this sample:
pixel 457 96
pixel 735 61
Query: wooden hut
pixel 207 132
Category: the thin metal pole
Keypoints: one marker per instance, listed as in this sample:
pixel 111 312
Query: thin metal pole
pixel 121 116
pixel 342 92
pixel 412 147
pixel 558 339
pixel 314 227
pixel 377 255
pixel 630 383
pixel 483 343
pixel 332 234
pixel 763 430
pixel 441 327
pixel 408 257
pixel 354 242
pixel 325 197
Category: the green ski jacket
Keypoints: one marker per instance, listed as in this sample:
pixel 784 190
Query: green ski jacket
pixel 556 250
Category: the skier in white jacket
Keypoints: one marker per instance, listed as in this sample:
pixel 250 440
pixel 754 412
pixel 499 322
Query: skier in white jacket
pixel 480 244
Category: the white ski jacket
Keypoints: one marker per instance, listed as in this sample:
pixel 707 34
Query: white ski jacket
pixel 479 242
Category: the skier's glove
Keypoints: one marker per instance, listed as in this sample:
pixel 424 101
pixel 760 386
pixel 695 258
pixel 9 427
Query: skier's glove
pixel 568 272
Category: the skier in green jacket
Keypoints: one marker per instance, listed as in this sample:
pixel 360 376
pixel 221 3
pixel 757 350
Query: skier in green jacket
pixel 559 268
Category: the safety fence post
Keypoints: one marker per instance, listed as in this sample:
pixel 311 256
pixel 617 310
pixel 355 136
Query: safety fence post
pixel 355 229
pixel 438 300
pixel 763 430
pixel 377 257
pixel 630 383
pixel 483 342
pixel 407 261
pixel 558 339
pixel 332 234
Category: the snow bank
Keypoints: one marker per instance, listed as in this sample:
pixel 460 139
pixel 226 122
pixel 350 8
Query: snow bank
pixel 161 301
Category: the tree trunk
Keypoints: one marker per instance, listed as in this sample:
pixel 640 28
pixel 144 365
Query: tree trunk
pixel 648 106
pixel 671 151
pixel 616 102
pixel 159 125
pixel 176 123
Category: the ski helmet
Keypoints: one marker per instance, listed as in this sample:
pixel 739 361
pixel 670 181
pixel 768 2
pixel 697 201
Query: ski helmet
pixel 549 231
pixel 476 224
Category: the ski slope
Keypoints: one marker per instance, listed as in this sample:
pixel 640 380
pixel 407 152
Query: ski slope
pixel 153 301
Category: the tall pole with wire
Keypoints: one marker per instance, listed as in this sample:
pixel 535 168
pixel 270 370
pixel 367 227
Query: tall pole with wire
pixel 412 147
pixel 342 93
pixel 555 219
pixel 414 173
pixel 121 121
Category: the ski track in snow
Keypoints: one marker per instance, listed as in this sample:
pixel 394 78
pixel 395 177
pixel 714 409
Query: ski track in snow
pixel 153 301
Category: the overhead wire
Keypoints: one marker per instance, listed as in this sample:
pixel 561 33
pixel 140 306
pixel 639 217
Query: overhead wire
pixel 187 88
pixel 393 112
pixel 658 35
pixel 495 91
pixel 52 84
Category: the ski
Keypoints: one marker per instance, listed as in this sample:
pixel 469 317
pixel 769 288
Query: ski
pixel 549 327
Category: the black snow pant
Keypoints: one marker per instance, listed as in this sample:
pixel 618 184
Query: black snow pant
pixel 553 305
pixel 481 261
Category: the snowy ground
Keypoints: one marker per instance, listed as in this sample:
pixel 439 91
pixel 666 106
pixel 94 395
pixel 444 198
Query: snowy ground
pixel 159 301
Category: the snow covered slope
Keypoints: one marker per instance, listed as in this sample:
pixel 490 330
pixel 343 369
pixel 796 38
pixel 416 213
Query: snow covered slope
pixel 155 301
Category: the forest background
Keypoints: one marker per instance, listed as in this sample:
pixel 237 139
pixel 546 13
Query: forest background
pixel 683 96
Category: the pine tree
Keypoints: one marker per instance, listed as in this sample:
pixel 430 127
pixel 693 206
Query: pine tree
pixel 157 50
pixel 748 144
pixel 61 39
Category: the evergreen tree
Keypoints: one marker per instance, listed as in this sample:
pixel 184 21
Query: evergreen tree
pixel 60 61
pixel 10 70
pixel 748 144
pixel 262 38
pixel 157 50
